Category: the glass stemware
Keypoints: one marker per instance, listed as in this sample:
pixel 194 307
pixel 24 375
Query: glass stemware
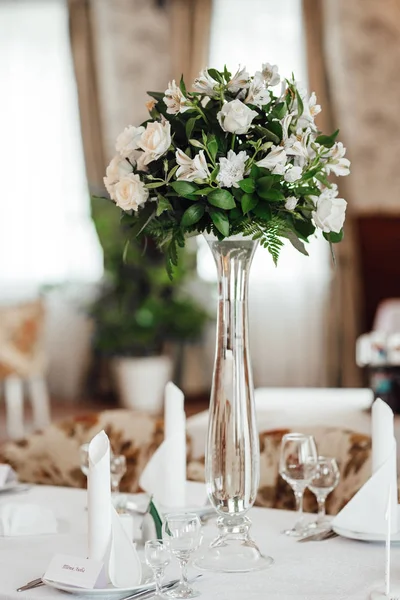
pixel 117 471
pixel 157 557
pixel 183 532
pixel 84 458
pixel 325 479
pixel 297 464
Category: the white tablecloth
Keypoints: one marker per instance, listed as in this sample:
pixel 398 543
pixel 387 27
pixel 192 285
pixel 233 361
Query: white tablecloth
pixel 337 569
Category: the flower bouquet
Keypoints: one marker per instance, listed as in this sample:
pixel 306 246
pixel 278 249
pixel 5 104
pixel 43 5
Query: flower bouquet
pixel 234 156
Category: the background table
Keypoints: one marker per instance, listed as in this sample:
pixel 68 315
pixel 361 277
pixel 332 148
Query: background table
pixel 337 569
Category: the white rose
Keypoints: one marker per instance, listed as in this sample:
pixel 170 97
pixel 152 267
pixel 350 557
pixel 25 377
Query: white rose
pixel 127 141
pixel 155 140
pixel 130 193
pixel 330 213
pixel 291 203
pixel 236 117
pixel 292 174
pixel 117 169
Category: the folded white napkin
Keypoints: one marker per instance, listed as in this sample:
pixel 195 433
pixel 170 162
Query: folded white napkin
pixel 366 511
pixel 7 475
pixel 107 538
pixel 26 519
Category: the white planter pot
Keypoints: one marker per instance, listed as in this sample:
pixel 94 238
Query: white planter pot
pixel 141 381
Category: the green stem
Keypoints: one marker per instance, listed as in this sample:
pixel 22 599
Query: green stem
pixel 202 113
pixel 233 141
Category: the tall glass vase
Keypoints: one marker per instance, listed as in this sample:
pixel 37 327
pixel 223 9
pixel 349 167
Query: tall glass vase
pixel 232 452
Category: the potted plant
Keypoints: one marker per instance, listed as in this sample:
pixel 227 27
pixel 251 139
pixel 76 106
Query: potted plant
pixel 139 314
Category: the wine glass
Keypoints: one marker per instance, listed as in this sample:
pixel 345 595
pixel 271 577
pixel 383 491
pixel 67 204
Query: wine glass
pixel 117 471
pixel 157 557
pixel 325 478
pixel 183 532
pixel 84 458
pixel 297 464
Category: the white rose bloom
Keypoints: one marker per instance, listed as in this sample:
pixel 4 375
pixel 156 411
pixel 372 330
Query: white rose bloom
pixel 276 156
pixel 239 81
pixel 236 117
pixel 292 174
pixel 330 211
pixel 205 84
pixel 155 141
pixel 175 100
pixel 339 165
pixel 128 141
pixel 117 169
pixel 258 93
pixel 232 169
pixel 130 193
pixel 270 74
pixel 291 203
pixel 191 169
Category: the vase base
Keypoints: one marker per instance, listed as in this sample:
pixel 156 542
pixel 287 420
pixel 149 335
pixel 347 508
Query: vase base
pixel 233 551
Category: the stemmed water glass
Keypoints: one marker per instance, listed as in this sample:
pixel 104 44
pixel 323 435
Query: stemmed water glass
pixel 325 478
pixel 84 458
pixel 297 464
pixel 117 471
pixel 183 533
pixel 157 557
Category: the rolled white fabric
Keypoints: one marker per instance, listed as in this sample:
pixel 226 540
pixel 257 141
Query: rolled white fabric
pixel 99 498
pixel 382 433
pixel 7 475
pixel 165 474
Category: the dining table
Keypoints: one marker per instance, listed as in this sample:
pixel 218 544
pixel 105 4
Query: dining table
pixel 334 569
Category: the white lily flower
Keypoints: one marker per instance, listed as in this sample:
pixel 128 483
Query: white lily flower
pixel 175 101
pixel 291 203
pixel 292 174
pixel 276 156
pixel 232 169
pixel 270 74
pixel 258 93
pixel 205 84
pixel 313 107
pixel 337 164
pixel 299 146
pixel 239 81
pixel 191 169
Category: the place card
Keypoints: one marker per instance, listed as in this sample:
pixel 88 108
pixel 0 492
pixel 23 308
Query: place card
pixel 77 571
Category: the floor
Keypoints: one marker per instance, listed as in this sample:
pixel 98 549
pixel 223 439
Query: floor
pixel 63 410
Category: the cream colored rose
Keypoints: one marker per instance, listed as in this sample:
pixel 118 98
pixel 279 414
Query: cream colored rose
pixel 127 141
pixel 117 169
pixel 155 140
pixel 236 117
pixel 130 193
pixel 330 211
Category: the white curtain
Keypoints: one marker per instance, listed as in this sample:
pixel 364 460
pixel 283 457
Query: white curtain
pixel 287 303
pixel 46 235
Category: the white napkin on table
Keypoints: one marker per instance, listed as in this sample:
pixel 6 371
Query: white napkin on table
pixel 107 538
pixel 365 513
pixel 164 476
pixel 26 519
pixel 7 475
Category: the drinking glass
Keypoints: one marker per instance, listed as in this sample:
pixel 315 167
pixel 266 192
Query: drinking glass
pixel 297 464
pixel 158 557
pixel 84 458
pixel 183 532
pixel 117 471
pixel 325 479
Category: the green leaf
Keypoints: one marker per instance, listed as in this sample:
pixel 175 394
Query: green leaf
pixel 196 143
pixel 263 211
pixel 221 199
pixel 249 201
pixel 255 171
pixel 212 147
pixel 172 173
pixel 157 184
pixel 182 86
pixel 264 184
pixel 189 126
pixel 144 218
pixel 183 188
pixel 192 215
pixel 311 173
pixel 215 75
pixel 214 173
pixel 247 185
pixel 271 195
pixel 156 95
pixel 296 242
pixel 323 179
pixel 237 192
pixel 267 133
pixel 333 237
pixel 304 228
pixel 300 105
pixel 220 220
pixel 203 191
pixel 279 111
pixel 163 204
pixel 327 140
pixel 227 75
